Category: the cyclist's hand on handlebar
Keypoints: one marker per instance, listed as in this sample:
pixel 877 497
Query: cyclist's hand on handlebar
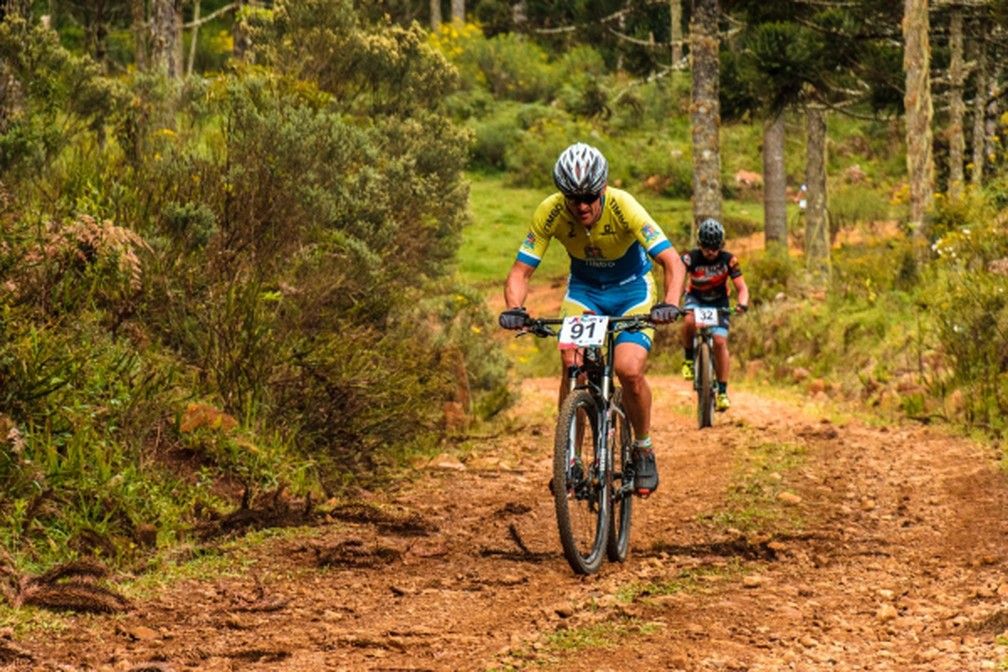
pixel 514 318
pixel 741 308
pixel 662 313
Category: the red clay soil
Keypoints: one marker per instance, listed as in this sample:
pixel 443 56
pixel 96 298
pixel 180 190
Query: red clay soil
pixel 885 551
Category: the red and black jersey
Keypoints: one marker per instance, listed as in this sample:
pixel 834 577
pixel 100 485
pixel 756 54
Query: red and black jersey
pixel 708 280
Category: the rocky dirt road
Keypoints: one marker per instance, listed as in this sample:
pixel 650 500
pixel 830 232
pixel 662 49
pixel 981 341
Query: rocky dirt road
pixel 778 540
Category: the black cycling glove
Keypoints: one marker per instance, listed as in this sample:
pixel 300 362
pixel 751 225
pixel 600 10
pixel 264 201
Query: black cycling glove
pixel 662 313
pixel 513 318
pixel 741 308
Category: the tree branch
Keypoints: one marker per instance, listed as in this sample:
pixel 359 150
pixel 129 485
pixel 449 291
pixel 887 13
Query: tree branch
pixel 211 16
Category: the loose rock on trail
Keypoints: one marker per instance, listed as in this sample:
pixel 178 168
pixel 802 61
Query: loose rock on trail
pixel 777 540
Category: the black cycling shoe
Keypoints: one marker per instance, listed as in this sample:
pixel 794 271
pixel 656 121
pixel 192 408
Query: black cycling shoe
pixel 645 471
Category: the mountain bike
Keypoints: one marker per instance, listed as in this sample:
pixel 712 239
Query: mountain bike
pixel 593 474
pixel 704 375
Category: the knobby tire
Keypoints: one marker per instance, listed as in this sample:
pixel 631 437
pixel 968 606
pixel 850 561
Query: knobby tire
pixel 581 500
pixel 621 479
pixel 705 385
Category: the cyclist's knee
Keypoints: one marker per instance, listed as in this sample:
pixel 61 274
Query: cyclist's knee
pixel 631 379
pixel 629 368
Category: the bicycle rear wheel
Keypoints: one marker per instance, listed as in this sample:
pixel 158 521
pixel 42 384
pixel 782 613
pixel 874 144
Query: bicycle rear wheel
pixel 579 494
pixel 705 385
pixel 621 480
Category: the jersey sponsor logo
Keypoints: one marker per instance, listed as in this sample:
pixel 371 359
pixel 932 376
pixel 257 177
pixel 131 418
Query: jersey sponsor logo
pixel 529 242
pixel 650 232
pixel 552 216
pixel 599 263
pixel 619 213
pixel 707 274
pixel 593 252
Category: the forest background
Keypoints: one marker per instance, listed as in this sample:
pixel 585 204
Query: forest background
pixel 246 247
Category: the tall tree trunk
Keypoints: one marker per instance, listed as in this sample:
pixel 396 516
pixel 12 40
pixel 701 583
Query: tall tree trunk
pixel 96 32
pixel 980 114
pixel 705 110
pixel 519 13
pixel 919 111
pixel 957 109
pixel 140 32
pixel 193 37
pixel 774 183
pixel 11 94
pixel 993 115
pixel 675 20
pixel 435 15
pixel 166 45
pixel 458 10
pixel 817 230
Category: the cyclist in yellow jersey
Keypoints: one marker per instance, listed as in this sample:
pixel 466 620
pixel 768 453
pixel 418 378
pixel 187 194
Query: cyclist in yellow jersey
pixel 611 240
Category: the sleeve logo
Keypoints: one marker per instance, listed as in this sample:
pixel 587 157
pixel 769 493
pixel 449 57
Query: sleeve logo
pixel 650 233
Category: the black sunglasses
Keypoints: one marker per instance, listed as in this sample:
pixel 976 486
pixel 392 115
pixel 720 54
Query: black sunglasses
pixel 586 199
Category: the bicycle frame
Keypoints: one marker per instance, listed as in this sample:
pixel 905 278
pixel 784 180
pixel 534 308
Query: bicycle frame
pixel 593 403
pixel 598 380
pixel 704 376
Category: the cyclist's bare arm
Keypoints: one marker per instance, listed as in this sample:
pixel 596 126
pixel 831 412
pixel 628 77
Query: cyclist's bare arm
pixel 674 271
pixel 516 285
pixel 742 290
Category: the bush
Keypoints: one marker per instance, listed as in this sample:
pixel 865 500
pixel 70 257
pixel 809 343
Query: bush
pixel 661 166
pixel 517 69
pixel 530 160
pixel 494 136
pixel 585 91
pixel 970 308
pixel 254 241
pixel 770 273
pixel 851 204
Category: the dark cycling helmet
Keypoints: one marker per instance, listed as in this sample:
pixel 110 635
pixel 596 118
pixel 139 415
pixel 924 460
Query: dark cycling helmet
pixel 581 170
pixel 710 233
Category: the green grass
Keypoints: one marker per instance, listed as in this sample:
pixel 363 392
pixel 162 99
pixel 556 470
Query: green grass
pixel 687 581
pixel 554 647
pixel 501 217
pixel 752 503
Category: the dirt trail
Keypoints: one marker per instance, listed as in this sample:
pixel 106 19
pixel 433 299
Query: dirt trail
pixel 887 553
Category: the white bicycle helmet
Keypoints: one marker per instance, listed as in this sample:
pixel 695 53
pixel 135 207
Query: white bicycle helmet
pixel 581 170
pixel 710 233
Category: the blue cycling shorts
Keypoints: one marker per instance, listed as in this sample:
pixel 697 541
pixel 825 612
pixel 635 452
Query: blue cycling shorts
pixel 633 296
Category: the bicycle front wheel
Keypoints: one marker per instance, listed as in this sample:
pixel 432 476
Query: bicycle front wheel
pixel 621 480
pixel 705 385
pixel 579 491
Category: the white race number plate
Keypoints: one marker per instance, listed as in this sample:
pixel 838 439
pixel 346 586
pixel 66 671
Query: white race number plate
pixel 706 317
pixel 582 331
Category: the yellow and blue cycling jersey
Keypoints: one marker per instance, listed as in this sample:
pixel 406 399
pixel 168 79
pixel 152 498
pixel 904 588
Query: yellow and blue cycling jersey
pixel 609 262
pixel 614 250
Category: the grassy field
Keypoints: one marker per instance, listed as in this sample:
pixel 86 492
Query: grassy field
pixel 490 243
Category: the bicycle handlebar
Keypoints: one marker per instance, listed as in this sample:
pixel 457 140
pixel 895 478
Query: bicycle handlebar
pixel 543 326
pixel 731 310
